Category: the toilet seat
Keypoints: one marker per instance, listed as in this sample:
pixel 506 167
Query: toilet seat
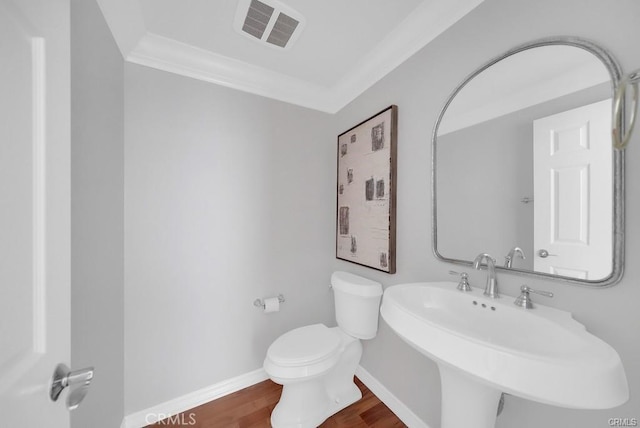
pixel 303 352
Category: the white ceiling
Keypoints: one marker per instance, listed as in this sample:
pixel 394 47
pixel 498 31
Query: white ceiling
pixel 344 48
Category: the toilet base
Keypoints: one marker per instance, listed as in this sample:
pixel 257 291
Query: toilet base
pixel 346 399
pixel 309 402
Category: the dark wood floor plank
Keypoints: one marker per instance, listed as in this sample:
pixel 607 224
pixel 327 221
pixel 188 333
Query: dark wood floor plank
pixel 252 407
pixel 257 419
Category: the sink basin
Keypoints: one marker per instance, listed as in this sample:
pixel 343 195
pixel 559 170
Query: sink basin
pixel 485 346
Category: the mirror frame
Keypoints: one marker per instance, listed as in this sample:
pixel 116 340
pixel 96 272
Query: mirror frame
pixel 618 165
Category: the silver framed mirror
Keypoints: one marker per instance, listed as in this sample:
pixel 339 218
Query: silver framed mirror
pixel 523 165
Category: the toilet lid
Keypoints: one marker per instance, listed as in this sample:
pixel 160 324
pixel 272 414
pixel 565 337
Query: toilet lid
pixel 304 346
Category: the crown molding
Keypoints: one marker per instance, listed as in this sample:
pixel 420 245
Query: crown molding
pixel 125 20
pixel 423 25
pixel 140 46
pixel 175 57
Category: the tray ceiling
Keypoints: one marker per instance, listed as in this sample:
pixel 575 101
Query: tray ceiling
pixel 343 49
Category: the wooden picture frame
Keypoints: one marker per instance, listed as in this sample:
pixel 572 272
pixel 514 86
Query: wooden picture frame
pixel 366 192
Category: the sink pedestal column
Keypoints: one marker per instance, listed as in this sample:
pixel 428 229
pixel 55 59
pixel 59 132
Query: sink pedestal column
pixel 465 401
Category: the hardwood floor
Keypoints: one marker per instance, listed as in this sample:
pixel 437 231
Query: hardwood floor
pixel 252 406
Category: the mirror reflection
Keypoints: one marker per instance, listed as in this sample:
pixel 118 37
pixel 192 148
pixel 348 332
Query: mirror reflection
pixel 524 165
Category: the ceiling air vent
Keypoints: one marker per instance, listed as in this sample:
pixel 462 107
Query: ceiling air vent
pixel 269 22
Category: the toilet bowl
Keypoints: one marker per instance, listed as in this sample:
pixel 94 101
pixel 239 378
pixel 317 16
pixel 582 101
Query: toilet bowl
pixel 315 364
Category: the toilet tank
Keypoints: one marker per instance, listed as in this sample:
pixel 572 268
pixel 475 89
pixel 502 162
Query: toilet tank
pixel 357 302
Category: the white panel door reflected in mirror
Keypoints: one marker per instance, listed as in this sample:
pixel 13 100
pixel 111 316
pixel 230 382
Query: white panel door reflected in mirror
pixel 572 191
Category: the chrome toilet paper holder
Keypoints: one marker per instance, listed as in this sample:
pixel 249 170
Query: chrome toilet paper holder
pixel 259 303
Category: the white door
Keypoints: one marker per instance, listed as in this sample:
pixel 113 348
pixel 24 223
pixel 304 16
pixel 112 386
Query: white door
pixel 34 209
pixel 573 192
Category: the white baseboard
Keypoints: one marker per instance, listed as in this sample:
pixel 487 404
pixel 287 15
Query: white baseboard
pixel 189 401
pixel 405 414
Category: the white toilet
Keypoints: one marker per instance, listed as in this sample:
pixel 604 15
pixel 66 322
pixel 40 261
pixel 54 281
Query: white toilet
pixel 316 364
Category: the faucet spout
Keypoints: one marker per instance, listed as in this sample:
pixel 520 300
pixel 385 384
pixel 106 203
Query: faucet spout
pixel 508 259
pixel 491 289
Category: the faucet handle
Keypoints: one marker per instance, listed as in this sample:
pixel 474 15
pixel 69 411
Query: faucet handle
pixel 540 292
pixel 524 300
pixel 463 285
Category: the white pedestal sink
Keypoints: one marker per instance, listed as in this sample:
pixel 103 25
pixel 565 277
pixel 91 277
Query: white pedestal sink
pixel 484 347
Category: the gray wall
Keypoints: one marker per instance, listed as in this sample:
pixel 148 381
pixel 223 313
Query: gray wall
pixel 97 219
pixel 228 198
pixel 420 87
pixel 490 161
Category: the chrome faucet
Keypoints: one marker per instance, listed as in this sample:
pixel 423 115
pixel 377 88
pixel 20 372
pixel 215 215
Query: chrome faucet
pixel 491 289
pixel 508 259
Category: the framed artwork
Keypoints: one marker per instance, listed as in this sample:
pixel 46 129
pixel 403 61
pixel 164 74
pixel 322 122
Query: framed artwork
pixel 366 217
